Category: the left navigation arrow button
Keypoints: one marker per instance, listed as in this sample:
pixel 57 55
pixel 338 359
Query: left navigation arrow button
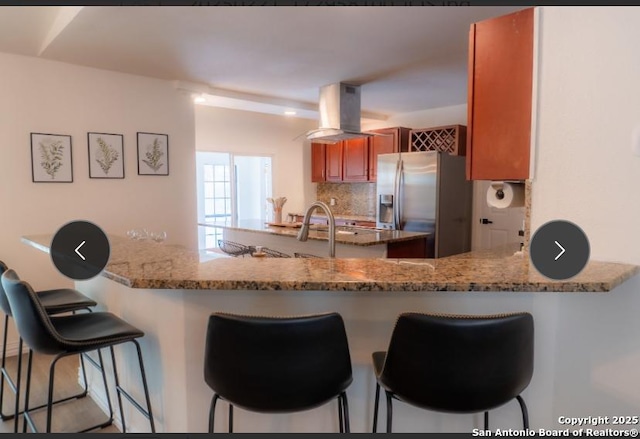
pixel 80 250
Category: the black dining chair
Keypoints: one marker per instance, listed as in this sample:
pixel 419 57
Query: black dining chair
pixel 456 363
pixel 277 364
pixel 62 336
pixel 57 301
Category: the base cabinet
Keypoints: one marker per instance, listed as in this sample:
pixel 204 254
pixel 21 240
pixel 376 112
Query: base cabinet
pixel 416 248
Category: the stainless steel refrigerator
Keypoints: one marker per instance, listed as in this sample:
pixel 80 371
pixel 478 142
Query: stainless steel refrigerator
pixel 426 192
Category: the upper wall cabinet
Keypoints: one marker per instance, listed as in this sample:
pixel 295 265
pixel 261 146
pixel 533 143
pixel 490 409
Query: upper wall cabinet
pixel 333 161
pixel 355 160
pixel 393 140
pixel 499 101
pixel 318 168
pixel 326 162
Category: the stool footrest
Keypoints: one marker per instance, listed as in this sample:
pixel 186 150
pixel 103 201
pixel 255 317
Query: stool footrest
pixel 133 402
pixel 12 386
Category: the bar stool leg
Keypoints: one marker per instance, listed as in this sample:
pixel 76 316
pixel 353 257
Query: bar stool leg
pixel 340 418
pixel 486 421
pixel 212 411
pixel 18 379
pixel 230 418
pixel 345 406
pixel 4 358
pixel 525 413
pixel 146 387
pixel 117 380
pixel 26 416
pixel 376 405
pixel 120 391
pixel 50 401
pixel 389 411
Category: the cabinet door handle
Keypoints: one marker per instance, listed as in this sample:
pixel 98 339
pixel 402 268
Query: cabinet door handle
pixel 485 221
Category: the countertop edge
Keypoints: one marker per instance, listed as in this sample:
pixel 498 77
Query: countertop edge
pixel 595 284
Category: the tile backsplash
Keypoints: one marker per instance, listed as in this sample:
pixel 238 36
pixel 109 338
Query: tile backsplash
pixel 351 198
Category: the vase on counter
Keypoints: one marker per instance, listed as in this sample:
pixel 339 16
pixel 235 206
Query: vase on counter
pixel 277 204
pixel 277 215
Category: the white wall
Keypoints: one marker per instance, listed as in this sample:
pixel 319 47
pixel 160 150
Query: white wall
pixel 453 115
pixel 250 133
pixel 50 97
pixel 588 107
pixel 588 93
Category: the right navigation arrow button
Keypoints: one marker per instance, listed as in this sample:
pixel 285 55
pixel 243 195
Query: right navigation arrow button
pixel 559 254
pixel 551 258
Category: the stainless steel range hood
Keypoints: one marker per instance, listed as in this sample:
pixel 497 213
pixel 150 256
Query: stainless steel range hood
pixel 339 107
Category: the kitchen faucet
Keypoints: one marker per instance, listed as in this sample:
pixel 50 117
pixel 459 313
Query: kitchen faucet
pixel 304 231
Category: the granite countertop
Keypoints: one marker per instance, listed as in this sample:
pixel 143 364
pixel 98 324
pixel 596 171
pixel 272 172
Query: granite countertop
pixel 371 219
pixel 139 264
pixel 344 234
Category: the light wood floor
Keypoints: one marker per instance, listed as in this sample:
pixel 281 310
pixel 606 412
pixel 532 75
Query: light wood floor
pixel 70 416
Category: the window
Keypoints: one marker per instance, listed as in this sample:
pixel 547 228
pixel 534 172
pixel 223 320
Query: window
pixel 230 189
pixel 217 200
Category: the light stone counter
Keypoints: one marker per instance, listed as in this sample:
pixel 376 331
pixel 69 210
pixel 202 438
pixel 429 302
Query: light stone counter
pixel 345 234
pixel 138 264
pixel 586 352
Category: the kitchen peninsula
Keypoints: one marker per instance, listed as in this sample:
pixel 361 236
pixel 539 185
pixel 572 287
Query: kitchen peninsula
pixel 351 242
pixel 167 292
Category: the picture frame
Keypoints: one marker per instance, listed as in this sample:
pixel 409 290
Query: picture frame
pixel 106 155
pixel 153 154
pixel 51 158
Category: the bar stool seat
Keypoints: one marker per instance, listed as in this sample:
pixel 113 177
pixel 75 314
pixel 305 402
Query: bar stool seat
pixel 84 331
pixel 456 363
pixel 63 300
pixel 70 335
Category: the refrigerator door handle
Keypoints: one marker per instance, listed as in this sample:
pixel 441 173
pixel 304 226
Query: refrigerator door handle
pixel 397 194
pixel 400 193
pixel 396 187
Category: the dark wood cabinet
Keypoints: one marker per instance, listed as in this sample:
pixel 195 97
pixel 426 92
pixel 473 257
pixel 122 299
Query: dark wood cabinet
pixel 355 160
pixel 499 97
pixel 416 248
pixel 333 162
pixel 393 140
pixel 318 162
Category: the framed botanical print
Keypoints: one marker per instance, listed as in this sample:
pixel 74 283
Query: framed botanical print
pixel 51 159
pixel 153 154
pixel 106 155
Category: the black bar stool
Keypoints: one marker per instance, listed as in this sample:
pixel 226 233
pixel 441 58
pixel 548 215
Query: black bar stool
pixel 56 301
pixel 456 364
pixel 277 364
pixel 71 335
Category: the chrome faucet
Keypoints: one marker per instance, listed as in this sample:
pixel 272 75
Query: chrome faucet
pixel 304 231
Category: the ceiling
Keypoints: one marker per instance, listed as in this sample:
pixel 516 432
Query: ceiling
pixel 405 58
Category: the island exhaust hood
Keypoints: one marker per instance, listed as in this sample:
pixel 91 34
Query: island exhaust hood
pixel 339 114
